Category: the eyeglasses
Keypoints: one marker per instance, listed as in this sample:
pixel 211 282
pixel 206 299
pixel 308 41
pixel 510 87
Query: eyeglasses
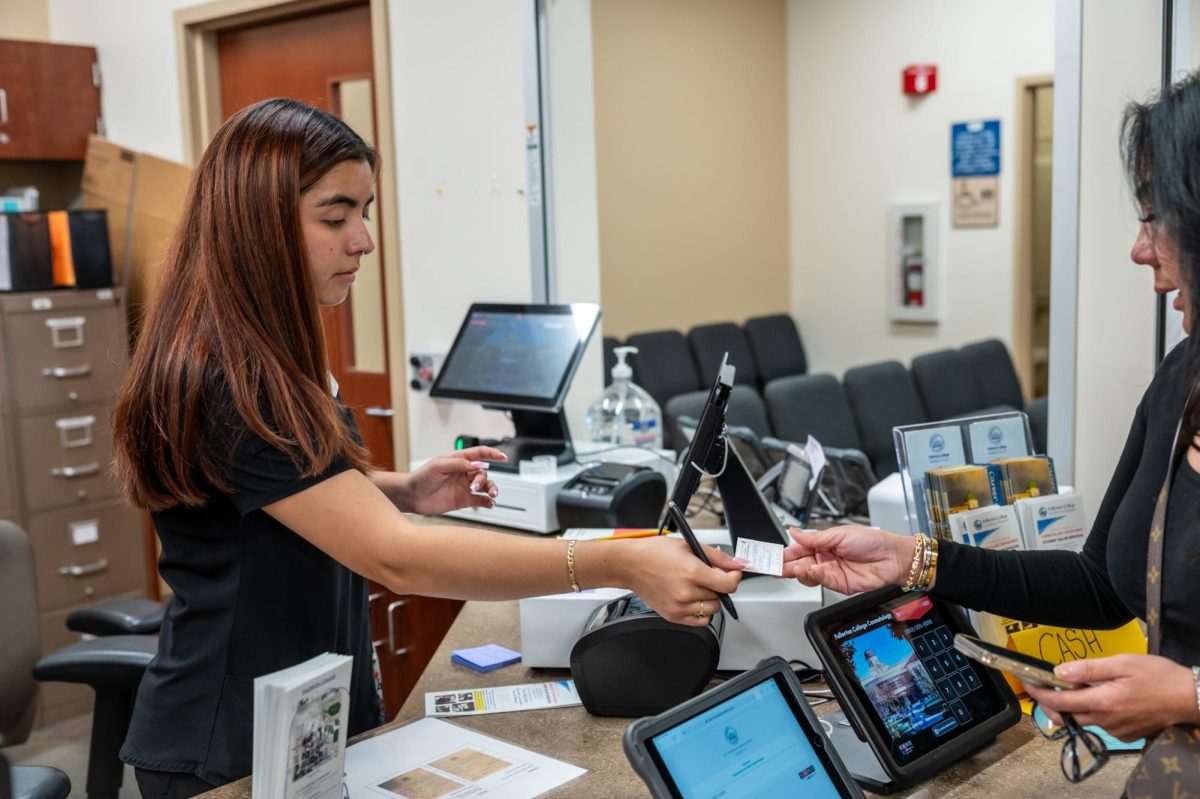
pixel 1083 752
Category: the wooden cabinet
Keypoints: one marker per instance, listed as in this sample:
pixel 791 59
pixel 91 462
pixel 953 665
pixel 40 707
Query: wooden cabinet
pixel 406 631
pixel 49 100
pixel 61 356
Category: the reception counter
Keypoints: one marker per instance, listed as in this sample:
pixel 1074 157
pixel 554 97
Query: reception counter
pixel 1020 763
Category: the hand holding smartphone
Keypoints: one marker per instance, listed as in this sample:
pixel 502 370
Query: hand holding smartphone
pixel 1023 667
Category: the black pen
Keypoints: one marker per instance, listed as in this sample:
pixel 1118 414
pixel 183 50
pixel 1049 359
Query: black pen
pixel 676 515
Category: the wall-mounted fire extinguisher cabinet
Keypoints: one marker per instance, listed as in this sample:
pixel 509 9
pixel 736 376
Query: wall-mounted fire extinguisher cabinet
pixel 914 263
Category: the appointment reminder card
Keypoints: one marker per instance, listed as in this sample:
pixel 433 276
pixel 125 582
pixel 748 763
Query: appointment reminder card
pixel 764 557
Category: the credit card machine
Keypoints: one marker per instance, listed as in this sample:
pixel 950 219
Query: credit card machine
pixel 612 495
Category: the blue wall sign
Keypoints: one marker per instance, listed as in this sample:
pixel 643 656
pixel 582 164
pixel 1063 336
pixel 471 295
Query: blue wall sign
pixel 975 148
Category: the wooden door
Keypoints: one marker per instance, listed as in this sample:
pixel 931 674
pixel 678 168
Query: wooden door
pixel 325 59
pixel 49 100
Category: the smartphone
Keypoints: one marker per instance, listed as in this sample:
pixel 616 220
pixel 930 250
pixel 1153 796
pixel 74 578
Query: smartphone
pixel 1030 669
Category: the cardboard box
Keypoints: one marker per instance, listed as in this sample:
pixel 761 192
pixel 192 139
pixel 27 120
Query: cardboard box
pixel 144 197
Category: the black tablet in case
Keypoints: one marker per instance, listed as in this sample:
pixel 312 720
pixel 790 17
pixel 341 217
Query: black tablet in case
pixel 752 736
pixel 918 703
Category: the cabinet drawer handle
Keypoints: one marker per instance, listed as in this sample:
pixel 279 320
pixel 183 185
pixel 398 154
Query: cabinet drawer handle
pixel 3 108
pixel 85 569
pixel 83 470
pixel 66 332
pixel 62 372
pixel 75 432
pixel 391 617
pixel 380 413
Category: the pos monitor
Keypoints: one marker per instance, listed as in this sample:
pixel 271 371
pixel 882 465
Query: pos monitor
pixel 520 359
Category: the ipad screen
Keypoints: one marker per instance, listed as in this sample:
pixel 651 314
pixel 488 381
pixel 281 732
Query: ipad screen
pixel 918 690
pixel 751 745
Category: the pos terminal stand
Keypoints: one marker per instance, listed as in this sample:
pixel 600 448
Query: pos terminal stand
pixel 711 455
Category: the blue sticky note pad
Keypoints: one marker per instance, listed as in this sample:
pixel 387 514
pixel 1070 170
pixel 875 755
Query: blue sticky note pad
pixel 485 658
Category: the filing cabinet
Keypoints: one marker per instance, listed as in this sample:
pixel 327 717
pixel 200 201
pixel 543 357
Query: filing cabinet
pixel 61 363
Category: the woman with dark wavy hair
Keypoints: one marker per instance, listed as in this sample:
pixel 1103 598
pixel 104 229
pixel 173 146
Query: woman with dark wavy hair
pixel 1105 585
pixel 229 430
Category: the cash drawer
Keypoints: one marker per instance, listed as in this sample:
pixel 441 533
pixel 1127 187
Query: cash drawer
pixel 108 558
pixel 65 458
pixel 63 358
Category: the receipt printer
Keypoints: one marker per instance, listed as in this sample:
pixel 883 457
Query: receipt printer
pixel 612 495
pixel 632 662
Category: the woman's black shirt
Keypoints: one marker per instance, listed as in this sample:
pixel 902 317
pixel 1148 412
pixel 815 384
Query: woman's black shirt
pixel 250 597
pixel 1104 586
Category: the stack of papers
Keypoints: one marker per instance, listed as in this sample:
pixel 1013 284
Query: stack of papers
pixel 301 719
pixel 485 658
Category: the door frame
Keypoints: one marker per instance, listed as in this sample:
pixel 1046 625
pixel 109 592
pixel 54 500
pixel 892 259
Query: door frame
pixel 196 29
pixel 1023 228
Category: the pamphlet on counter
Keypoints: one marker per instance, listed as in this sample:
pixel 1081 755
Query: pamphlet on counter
pixel 301 716
pixel 501 699
pixel 429 759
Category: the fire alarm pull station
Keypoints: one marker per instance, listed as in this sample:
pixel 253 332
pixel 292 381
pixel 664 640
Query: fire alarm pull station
pixel 919 79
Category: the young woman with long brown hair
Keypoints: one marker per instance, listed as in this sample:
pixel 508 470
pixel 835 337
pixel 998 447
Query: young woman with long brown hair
pixel 229 430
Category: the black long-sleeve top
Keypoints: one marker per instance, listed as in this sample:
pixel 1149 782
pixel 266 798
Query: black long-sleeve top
pixel 1104 585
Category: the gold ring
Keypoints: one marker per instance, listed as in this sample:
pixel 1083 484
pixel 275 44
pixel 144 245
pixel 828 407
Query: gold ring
pixel 700 614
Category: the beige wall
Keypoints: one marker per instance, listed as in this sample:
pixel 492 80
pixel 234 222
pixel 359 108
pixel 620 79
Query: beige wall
pixel 25 19
pixel 691 160
pixel 858 145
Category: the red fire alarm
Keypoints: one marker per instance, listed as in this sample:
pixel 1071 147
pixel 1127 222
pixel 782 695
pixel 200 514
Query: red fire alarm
pixel 920 79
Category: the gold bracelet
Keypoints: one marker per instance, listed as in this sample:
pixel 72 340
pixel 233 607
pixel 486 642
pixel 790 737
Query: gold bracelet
pixel 571 566
pixel 930 570
pixel 918 559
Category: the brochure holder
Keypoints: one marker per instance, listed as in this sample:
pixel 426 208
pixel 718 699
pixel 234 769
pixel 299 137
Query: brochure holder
pixel 954 442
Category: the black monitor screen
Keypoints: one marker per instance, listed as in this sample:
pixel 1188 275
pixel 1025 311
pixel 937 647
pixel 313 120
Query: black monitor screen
pixel 516 356
pixel 918 690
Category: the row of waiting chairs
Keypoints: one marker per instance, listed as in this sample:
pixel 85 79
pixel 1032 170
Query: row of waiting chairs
pixel 668 364
pixel 857 412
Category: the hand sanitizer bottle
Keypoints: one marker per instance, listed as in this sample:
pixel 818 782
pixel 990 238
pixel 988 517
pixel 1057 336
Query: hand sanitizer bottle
pixel 625 415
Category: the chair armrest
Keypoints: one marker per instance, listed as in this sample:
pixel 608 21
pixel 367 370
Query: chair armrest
pixel 136 616
pixel 114 660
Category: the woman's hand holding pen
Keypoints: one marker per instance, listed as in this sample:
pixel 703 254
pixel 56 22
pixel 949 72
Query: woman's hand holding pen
pixel 848 559
pixel 664 573
pixel 451 481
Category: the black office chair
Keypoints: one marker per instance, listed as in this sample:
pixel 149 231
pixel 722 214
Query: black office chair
pixel 32 782
pixel 946 385
pixel 112 665
pixel 18 691
pixel 815 405
pixel 1038 411
pixel 882 396
pixel 610 357
pixel 709 345
pixel 663 365
pixel 776 347
pixel 992 367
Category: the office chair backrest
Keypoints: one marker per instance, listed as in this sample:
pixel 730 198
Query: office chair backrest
pixel 610 358
pixel 709 345
pixel 882 396
pixel 776 347
pixel 947 385
pixel 815 405
pixel 994 373
pixel 19 631
pixel 663 365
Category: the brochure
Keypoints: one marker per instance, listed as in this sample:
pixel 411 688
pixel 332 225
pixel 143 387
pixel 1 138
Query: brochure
pixel 501 699
pixel 431 758
pixel 301 717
